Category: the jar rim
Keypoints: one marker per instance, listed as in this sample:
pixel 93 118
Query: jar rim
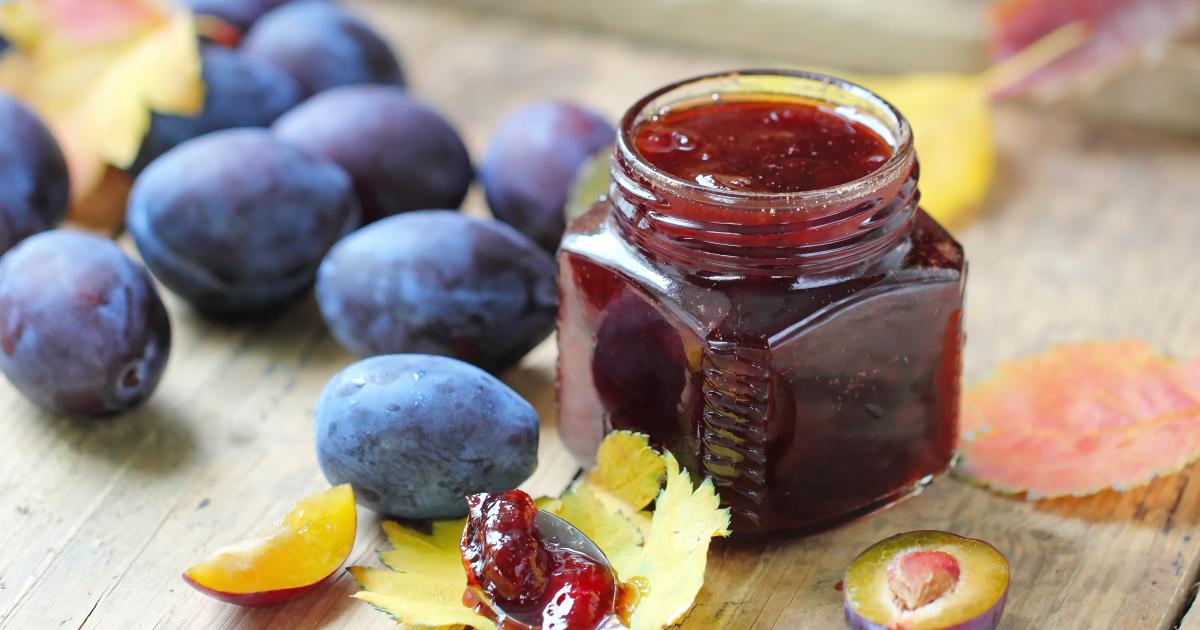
pixel 894 167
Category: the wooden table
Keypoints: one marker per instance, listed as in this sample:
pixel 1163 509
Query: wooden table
pixel 1091 233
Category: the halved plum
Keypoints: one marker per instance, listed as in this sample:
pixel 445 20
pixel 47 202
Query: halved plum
pixel 926 580
pixel 286 561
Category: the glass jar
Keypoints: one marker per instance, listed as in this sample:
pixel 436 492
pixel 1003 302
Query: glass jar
pixel 801 349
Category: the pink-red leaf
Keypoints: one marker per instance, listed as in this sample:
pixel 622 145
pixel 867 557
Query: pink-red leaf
pixel 1082 418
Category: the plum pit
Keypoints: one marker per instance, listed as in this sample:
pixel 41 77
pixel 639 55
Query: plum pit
pixel 918 577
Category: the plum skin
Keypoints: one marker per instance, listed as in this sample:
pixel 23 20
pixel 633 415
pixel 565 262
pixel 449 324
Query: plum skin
pixel 259 599
pixel 439 282
pixel 34 187
pixel 532 161
pixel 237 221
pixel 240 91
pixel 82 329
pixel 240 14
pixel 402 155
pixel 322 46
pixel 413 434
pixel 987 621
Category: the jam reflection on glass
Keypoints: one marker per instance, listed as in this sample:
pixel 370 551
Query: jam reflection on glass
pixel 536 583
pixel 761 294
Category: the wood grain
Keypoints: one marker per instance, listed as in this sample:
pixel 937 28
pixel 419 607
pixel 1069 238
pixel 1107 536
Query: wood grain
pixel 1091 233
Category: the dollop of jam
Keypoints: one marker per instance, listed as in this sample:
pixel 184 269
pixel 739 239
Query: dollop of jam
pixel 535 583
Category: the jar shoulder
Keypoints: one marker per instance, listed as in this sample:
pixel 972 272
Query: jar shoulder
pixel 928 257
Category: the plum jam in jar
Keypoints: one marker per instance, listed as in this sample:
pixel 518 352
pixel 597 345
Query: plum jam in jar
pixel 760 293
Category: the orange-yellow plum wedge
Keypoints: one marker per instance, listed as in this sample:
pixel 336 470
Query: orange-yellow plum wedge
pixel 926 580
pixel 286 561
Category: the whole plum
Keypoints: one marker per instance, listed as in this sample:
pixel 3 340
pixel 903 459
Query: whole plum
pixel 439 282
pixel 34 188
pixel 82 329
pixel 414 434
pixel 401 154
pixel 237 221
pixel 240 91
pixel 533 159
pixel 322 46
pixel 240 14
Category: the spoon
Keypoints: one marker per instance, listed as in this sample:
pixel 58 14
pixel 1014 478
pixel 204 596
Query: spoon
pixel 555 530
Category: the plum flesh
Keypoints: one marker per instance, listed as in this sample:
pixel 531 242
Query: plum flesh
pixel 926 580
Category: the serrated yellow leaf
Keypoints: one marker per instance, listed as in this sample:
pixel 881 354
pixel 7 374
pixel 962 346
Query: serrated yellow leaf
pixel 95 81
pixel 627 470
pixel 425 583
pixel 415 599
pixel 437 553
pixel 673 559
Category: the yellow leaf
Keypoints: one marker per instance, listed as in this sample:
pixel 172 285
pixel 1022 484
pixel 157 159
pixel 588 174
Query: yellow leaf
pixel 663 553
pixel 426 582
pixel 94 82
pixel 627 470
pixel 953 135
pixel 673 559
pixel 437 553
pixel 416 599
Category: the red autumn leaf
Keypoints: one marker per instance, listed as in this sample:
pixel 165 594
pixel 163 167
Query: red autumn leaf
pixel 1116 31
pixel 1079 419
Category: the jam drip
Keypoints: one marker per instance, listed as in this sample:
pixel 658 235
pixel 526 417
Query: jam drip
pixel 535 583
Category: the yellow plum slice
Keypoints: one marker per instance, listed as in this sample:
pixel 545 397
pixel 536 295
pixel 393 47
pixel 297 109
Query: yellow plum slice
pixel 926 580
pixel 286 561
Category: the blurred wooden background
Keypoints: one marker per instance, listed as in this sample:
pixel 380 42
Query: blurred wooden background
pixel 1161 90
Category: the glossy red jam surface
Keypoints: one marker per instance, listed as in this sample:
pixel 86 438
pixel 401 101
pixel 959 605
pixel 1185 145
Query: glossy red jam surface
pixel 761 146
pixel 537 584
pixel 810 393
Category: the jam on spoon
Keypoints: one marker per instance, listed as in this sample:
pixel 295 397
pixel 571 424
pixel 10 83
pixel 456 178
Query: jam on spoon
pixel 521 578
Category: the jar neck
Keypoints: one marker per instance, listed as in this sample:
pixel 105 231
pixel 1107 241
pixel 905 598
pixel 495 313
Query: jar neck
pixel 719 232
